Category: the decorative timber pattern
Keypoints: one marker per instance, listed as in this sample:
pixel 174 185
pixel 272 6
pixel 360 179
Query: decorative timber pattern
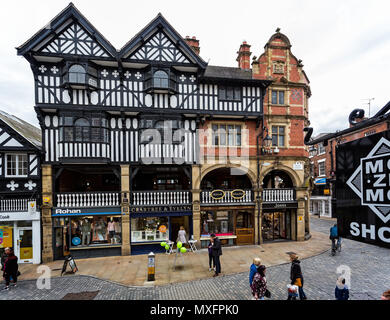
pixel 159 48
pixel 76 41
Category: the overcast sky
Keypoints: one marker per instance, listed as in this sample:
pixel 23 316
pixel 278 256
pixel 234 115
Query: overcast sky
pixel 344 44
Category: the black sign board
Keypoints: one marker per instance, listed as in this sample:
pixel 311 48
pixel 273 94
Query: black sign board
pixel 279 205
pixel 363 189
pixel 69 260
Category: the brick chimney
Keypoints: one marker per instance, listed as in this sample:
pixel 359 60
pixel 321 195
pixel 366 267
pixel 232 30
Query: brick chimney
pixel 193 43
pixel 244 56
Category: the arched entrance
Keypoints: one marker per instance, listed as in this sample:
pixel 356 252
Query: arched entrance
pixel 227 206
pixel 279 206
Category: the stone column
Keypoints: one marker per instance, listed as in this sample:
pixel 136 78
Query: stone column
pixel 46 211
pixel 257 226
pixel 196 203
pixel 125 209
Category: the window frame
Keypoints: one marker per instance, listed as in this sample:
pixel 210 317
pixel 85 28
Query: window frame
pixel 236 91
pixel 278 95
pixel 278 135
pixel 66 129
pixel 234 134
pixel 17 175
pixel 319 163
pixel 91 76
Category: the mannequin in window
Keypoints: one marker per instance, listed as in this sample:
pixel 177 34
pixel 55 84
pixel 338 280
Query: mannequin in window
pixel 86 232
pixel 99 230
pixel 111 230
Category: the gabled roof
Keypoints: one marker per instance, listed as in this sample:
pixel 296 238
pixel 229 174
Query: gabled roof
pixel 160 23
pixel 47 31
pixel 29 132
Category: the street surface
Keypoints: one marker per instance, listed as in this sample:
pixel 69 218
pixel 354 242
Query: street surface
pixel 369 265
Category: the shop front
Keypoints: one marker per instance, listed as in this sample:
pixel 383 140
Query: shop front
pixel 278 221
pixel 87 232
pixel 233 225
pixel 149 226
pixel 21 230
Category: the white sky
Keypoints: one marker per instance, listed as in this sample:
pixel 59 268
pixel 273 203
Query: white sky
pixel 344 44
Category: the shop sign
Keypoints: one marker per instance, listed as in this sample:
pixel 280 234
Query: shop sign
pixel 291 205
pixel 326 192
pixel 298 166
pixel 320 181
pixel 32 207
pixel 237 194
pixel 162 228
pixel 5 237
pixel 364 213
pixel 217 194
pixel 67 211
pixel 161 209
pixel 86 211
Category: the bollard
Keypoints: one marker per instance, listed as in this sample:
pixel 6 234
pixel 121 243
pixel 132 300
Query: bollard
pixel 151 266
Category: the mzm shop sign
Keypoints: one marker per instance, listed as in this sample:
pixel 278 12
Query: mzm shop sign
pixel 363 189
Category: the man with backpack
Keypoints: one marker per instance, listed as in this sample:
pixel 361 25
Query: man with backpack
pixel 334 235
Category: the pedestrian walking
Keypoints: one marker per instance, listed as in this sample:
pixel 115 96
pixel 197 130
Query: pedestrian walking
pixel 216 252
pixel 211 259
pixel 296 275
pixel 386 295
pixel 182 235
pixel 10 268
pixel 341 292
pixel 259 284
pixel 253 269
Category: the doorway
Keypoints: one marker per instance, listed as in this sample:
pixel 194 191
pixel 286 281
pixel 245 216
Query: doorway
pixel 25 244
pixel 175 223
pixel 244 227
pixel 276 226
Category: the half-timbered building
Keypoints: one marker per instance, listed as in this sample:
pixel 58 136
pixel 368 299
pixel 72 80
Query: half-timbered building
pixel 143 140
pixel 20 188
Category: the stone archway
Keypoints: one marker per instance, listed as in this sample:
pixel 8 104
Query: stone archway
pixel 250 174
pixel 291 173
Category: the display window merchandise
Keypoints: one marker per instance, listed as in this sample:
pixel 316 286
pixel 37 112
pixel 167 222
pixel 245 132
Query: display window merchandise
pixel 218 222
pixel 86 231
pixel 149 229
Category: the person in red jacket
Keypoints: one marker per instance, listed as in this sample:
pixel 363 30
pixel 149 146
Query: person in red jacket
pixel 10 269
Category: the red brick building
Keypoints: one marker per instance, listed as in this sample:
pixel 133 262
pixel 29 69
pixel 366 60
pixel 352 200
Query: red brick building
pixel 322 154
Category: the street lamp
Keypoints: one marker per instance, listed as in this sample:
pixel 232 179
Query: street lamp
pixel 267 142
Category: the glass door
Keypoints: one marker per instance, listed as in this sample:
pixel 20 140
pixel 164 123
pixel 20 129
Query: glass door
pixel 25 245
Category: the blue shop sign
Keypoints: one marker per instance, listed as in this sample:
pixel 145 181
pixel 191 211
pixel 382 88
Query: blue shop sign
pixel 320 181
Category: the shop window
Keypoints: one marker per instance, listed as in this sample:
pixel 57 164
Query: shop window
pixel 17 165
pixel 228 93
pixel 218 222
pixel 226 135
pixel 277 97
pixel 278 136
pixel 95 230
pixel 149 229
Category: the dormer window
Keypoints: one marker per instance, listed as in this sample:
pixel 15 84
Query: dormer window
pixel 80 76
pixel 160 80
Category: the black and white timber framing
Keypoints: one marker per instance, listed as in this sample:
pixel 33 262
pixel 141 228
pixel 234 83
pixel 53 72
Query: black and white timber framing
pixel 18 137
pixel 121 92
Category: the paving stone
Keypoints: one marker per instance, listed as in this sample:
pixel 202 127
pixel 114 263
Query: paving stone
pixel 370 277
